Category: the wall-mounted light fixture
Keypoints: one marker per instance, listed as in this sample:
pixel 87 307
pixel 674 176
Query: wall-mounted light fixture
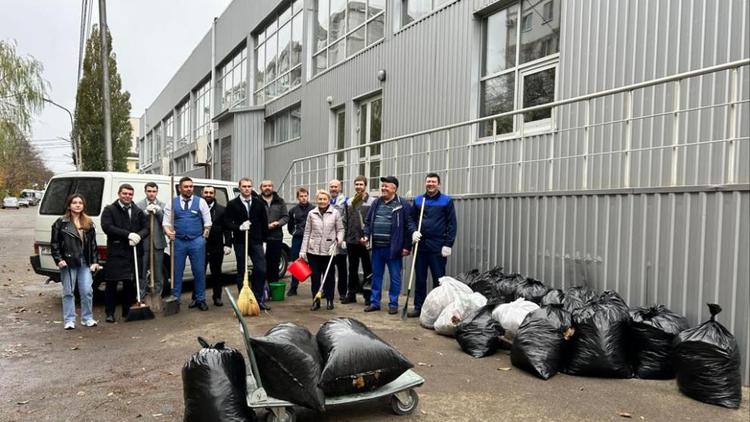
pixel 381 75
pixel 329 99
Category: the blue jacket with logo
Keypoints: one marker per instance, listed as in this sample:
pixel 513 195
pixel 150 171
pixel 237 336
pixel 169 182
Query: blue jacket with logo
pixel 402 225
pixel 438 223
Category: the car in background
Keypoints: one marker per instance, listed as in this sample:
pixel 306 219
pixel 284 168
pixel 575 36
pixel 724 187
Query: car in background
pixel 10 202
pixel 31 196
pixel 23 203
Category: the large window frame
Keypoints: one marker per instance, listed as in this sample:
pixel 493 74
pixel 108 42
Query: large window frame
pixel 339 141
pixel 183 123
pixel 370 129
pixel 357 30
pixel 284 126
pixel 522 69
pixel 231 80
pixel 283 38
pixel 202 110
pixel 420 9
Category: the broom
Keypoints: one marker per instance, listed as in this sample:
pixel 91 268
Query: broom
pixel 153 299
pixel 413 261
pixel 172 304
pixel 246 301
pixel 139 311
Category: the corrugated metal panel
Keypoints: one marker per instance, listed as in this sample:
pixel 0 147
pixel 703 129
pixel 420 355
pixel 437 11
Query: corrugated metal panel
pixel 679 249
pixel 247 146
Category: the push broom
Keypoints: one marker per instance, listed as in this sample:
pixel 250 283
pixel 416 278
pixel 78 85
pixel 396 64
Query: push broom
pixel 413 261
pixel 246 301
pixel 139 311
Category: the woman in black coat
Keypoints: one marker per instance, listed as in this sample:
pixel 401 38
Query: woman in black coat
pixel 73 244
pixel 125 225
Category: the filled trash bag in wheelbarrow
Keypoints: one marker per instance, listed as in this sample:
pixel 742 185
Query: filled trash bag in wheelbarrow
pixel 214 385
pixel 600 343
pixel 576 297
pixel 479 334
pixel 356 360
pixel 707 361
pixel 441 296
pixel 531 290
pixel 541 344
pixel 290 365
pixel 652 332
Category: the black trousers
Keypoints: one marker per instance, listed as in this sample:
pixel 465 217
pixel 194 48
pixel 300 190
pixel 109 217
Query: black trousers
pixel 214 260
pixel 358 253
pixel 273 258
pixel 318 265
pixel 127 296
pixel 340 262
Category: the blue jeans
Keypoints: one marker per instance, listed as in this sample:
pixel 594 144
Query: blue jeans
pixel 258 276
pixel 296 246
pixel 196 250
pixel 69 277
pixel 433 261
pixel 380 258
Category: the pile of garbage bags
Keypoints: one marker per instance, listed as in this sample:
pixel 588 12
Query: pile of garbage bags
pixel 583 332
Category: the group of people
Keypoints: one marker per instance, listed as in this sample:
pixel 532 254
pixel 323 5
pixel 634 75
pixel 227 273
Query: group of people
pixel 376 233
pixel 335 236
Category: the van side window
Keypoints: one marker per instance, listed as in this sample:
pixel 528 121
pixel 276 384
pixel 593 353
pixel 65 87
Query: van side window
pixel 58 190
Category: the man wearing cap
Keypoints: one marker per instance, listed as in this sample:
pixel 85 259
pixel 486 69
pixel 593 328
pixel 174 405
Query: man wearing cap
pixel 436 237
pixel 388 227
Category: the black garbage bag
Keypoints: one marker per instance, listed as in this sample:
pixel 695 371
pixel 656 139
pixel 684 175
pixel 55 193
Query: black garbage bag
pixel 479 334
pixel 468 277
pixel 600 343
pixel 485 283
pixel 214 385
pixel 289 365
pixel 541 344
pixel 553 297
pixel 507 286
pixel 652 332
pixel 707 361
pixel 531 290
pixel 356 360
pixel 576 297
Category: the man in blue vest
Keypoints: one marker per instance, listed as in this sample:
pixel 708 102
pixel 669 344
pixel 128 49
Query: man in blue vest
pixel 192 225
pixel 435 238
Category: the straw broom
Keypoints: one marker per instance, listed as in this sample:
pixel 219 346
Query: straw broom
pixel 246 301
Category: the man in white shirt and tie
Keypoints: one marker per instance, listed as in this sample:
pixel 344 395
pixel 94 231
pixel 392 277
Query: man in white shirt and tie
pixel 192 224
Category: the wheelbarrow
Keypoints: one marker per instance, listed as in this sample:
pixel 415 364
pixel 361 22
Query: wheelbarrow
pixel 403 398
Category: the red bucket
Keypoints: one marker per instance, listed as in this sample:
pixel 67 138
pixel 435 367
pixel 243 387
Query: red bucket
pixel 300 269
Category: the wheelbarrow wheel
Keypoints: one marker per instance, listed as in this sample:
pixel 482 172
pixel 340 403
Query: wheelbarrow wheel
pixel 285 415
pixel 404 403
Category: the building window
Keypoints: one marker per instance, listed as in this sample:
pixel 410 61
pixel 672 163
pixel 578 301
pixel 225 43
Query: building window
pixel 278 54
pixel 157 142
pixel 369 129
pixel 519 67
pixel 169 134
pixel 343 28
pixel 340 142
pixel 283 126
pixel 183 123
pixel 149 147
pixel 231 81
pixel 202 110
pixel 414 10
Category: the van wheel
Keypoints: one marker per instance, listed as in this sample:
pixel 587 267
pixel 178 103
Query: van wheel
pixel 283 262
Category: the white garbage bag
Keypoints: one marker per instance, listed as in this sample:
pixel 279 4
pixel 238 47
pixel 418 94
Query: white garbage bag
pixel 440 297
pixel 456 311
pixel 511 315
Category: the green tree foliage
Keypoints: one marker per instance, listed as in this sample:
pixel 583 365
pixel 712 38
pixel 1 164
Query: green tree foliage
pixel 22 92
pixel 89 114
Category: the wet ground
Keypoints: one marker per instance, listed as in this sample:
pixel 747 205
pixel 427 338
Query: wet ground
pixel 131 371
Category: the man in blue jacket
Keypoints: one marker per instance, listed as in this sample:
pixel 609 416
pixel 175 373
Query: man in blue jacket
pixel 436 237
pixel 389 227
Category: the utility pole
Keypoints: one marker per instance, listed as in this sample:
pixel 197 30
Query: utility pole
pixel 105 85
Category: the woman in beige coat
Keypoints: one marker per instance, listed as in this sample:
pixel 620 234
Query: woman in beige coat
pixel 324 231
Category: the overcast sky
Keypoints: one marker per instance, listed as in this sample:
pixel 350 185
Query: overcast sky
pixel 151 39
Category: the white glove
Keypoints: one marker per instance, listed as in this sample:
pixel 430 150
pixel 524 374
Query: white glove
pixel 153 208
pixel 303 255
pixel 343 246
pixel 134 239
pixel 227 250
pixel 416 237
pixel 332 249
pixel 95 267
pixel 446 252
pixel 62 264
pixel 245 226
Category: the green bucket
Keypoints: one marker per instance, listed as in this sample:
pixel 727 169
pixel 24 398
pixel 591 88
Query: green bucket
pixel 278 290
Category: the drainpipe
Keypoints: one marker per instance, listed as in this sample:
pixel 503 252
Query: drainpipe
pixel 212 98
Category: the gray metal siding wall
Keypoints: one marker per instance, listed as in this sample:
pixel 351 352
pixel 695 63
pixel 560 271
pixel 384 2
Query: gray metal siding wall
pixel 247 146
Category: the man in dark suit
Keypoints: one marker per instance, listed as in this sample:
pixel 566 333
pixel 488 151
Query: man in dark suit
pixel 125 225
pixel 219 242
pixel 246 213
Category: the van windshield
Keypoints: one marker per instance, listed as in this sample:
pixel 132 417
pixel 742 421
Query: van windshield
pixel 58 190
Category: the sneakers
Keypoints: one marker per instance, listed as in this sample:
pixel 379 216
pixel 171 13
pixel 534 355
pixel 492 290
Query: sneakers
pixel 371 308
pixel 110 318
pixel 90 323
pixel 202 306
pixel 70 325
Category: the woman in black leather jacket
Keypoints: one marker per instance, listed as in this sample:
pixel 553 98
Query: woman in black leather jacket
pixel 74 250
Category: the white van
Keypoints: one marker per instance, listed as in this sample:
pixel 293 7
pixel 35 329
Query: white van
pixel 100 190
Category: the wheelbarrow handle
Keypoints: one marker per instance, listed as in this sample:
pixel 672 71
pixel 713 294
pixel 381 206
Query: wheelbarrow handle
pixel 246 337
